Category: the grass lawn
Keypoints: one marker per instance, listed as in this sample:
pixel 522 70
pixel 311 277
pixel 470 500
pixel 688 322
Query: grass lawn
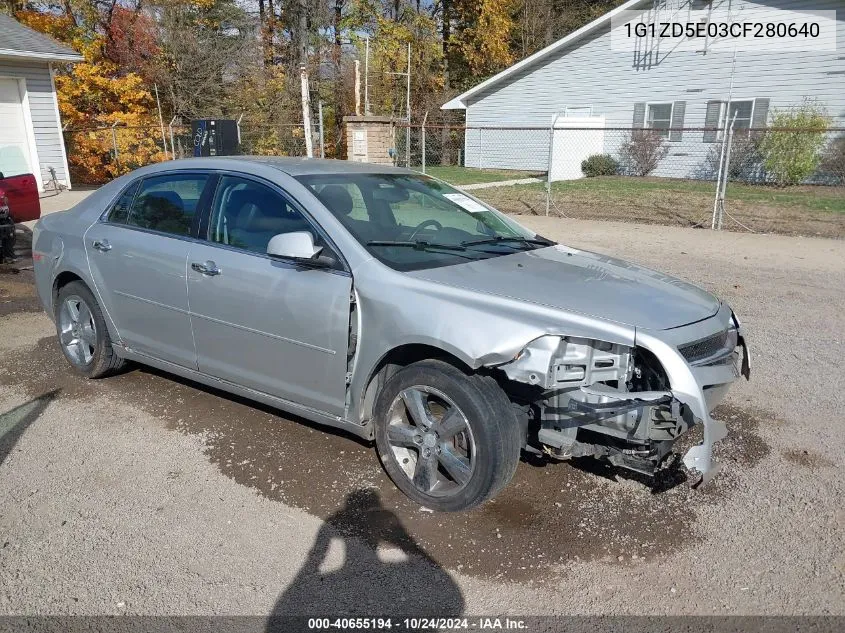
pixel 809 197
pixel 801 210
pixel 457 175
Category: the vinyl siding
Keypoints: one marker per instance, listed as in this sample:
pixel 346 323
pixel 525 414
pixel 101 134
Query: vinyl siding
pixel 46 128
pixel 590 74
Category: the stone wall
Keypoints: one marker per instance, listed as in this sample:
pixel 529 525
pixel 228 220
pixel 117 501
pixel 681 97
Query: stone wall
pixel 369 139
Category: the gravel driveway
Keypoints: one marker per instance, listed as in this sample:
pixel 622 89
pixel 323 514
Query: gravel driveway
pixel 146 494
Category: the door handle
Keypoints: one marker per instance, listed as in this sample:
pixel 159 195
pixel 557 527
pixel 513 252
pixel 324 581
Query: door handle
pixel 208 268
pixel 102 245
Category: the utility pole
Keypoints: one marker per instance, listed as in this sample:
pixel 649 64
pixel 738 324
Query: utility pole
pixel 357 88
pixel 367 77
pixel 407 76
pixel 322 138
pixel 306 113
pixel 408 105
pixel 161 124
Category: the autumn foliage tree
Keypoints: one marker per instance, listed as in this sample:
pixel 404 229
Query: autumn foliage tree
pixel 242 58
pixel 94 95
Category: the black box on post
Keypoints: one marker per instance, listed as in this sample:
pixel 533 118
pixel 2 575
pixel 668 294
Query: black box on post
pixel 215 137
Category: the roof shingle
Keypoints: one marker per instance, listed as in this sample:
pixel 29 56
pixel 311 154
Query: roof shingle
pixel 19 41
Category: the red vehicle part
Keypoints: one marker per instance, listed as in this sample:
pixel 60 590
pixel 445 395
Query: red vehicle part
pixel 21 193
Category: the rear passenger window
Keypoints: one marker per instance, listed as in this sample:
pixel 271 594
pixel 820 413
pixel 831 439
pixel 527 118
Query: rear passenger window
pixel 120 211
pixel 168 203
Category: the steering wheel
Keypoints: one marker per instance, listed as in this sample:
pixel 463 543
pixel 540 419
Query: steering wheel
pixel 422 225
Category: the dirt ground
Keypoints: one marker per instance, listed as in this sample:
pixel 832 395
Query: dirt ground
pixel 147 494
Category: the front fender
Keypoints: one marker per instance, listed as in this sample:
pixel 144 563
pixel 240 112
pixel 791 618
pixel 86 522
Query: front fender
pixel 477 328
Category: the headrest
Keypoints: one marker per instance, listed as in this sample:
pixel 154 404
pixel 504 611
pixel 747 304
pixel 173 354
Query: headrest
pixel 337 199
pixel 170 197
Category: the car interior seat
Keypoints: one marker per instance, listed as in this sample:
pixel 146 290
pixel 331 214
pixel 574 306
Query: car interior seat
pixel 255 216
pixel 339 201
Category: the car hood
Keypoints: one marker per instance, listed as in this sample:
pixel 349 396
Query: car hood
pixel 585 283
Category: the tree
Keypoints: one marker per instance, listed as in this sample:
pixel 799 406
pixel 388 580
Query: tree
pixel 94 95
pixel 484 34
pixel 206 47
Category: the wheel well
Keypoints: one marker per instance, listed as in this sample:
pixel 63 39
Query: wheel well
pixel 396 359
pixel 62 280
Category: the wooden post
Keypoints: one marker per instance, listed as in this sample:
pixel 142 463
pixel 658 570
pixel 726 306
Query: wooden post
pixel 357 88
pixel 306 113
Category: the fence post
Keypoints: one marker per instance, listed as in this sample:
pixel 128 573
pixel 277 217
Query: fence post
pixel 549 163
pixel 322 138
pixel 114 144
pixel 172 145
pixel 422 139
pixel 727 175
pixel 481 148
pixel 719 202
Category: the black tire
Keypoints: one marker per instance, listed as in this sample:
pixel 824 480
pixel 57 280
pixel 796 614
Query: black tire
pixel 483 407
pixel 103 359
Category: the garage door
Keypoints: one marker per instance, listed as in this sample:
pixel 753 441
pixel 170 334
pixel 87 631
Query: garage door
pixel 14 140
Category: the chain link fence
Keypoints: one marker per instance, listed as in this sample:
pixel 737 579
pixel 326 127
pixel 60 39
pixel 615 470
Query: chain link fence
pixel 789 181
pixel 97 155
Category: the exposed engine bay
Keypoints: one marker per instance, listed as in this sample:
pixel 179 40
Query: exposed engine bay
pixel 584 397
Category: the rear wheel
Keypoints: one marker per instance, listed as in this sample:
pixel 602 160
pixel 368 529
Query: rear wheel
pixel 448 440
pixel 83 335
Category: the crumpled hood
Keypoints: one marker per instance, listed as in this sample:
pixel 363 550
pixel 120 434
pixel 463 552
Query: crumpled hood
pixel 583 282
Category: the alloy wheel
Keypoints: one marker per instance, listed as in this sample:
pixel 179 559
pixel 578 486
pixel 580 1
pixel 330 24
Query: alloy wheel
pixel 431 440
pixel 77 330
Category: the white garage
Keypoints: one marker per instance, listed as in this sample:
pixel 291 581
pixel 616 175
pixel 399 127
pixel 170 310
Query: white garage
pixel 30 126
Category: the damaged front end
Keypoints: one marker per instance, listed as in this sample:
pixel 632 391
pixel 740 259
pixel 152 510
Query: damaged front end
pixel 628 405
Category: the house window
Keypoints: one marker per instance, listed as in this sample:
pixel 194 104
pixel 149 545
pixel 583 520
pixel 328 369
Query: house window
pixel 660 118
pixel 743 111
pixel 745 114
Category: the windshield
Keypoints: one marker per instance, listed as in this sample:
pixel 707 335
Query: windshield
pixel 410 222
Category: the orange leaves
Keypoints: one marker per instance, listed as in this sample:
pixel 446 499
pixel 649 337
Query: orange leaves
pixel 98 93
pixel 485 40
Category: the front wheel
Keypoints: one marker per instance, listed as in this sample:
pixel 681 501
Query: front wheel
pixel 448 440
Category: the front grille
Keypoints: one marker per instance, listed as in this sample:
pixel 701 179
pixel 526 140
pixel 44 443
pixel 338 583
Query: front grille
pixel 704 348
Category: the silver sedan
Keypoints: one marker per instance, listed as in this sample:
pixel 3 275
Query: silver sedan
pixel 389 304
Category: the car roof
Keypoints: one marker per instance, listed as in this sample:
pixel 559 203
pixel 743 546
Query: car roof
pixel 292 166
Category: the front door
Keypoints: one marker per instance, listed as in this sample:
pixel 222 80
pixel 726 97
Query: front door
pixel 138 259
pixel 268 324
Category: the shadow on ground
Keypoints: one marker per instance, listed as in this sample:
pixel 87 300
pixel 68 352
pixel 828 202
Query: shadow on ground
pixel 550 515
pixel 15 422
pixel 364 563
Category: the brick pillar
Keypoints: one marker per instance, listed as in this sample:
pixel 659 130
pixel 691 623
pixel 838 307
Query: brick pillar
pixel 369 139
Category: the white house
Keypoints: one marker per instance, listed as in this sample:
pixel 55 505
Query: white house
pixel 30 127
pixel 587 80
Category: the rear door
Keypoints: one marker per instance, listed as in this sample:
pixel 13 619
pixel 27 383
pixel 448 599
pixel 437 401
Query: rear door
pixel 138 259
pixel 268 324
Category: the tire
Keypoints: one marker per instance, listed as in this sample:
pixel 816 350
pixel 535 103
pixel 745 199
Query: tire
pixel 433 463
pixel 84 340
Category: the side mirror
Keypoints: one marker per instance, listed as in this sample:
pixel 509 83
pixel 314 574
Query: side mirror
pixel 296 245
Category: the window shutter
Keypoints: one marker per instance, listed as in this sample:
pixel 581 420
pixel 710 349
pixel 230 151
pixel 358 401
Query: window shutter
pixel 678 110
pixel 639 115
pixel 761 113
pixel 711 121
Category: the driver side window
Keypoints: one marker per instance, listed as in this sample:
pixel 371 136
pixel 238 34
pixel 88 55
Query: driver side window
pixel 247 214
